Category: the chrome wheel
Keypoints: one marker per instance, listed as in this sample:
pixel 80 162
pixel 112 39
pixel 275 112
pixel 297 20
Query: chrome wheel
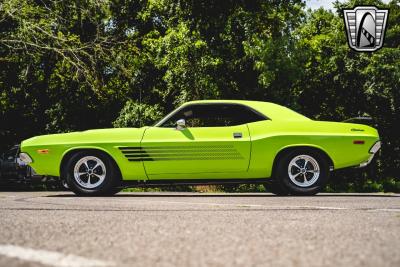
pixel 303 170
pixel 89 172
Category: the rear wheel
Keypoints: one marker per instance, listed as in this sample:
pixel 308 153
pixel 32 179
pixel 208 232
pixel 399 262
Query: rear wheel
pixel 276 188
pixel 92 173
pixel 302 172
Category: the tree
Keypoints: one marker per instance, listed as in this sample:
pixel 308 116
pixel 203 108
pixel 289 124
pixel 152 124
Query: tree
pixel 76 65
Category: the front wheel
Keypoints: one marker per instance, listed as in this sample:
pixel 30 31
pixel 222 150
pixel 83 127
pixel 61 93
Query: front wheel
pixel 64 184
pixel 302 172
pixel 91 174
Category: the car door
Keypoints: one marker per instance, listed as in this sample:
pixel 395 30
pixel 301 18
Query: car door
pixel 214 140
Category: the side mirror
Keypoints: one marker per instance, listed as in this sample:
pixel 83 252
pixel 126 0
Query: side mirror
pixel 180 124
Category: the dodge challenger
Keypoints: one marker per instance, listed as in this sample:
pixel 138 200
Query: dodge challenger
pixel 206 142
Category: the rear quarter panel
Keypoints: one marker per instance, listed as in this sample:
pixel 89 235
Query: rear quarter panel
pixel 335 139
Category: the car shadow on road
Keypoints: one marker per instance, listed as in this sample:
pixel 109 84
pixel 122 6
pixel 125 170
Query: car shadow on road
pixel 223 195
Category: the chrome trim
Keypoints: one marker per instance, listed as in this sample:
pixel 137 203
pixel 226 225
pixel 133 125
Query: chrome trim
pixel 180 124
pixel 33 172
pixel 365 163
pixel 223 102
pixel 237 135
pixel 373 150
pixel 375 147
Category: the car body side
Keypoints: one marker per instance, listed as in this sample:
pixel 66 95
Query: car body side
pixel 268 138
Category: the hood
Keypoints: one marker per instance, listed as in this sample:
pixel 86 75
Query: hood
pixel 89 136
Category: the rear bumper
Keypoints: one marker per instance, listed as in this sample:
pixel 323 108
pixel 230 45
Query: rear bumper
pixel 373 150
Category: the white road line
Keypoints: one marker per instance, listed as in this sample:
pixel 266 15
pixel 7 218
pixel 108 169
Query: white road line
pixel 245 205
pixel 389 210
pixel 51 258
pixel 266 207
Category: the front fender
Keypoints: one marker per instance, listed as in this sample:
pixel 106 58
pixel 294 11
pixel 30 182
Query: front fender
pixel 129 170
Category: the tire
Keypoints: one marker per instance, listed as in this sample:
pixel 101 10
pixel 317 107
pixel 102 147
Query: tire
pixel 276 188
pixel 92 173
pixel 64 184
pixel 295 178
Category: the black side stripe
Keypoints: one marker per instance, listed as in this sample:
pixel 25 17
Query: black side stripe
pixel 157 153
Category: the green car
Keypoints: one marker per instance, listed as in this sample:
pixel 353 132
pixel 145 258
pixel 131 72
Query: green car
pixel 206 142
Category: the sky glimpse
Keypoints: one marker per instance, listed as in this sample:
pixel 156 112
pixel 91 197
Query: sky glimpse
pixel 327 4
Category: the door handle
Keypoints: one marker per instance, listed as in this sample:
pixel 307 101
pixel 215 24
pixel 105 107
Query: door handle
pixel 237 135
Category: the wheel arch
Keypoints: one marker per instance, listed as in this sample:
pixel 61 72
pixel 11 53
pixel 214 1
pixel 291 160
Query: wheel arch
pixel 287 149
pixel 70 152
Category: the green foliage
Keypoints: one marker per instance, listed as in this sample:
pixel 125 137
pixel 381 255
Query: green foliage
pixel 136 114
pixel 366 185
pixel 183 58
pixel 75 65
pixel 241 188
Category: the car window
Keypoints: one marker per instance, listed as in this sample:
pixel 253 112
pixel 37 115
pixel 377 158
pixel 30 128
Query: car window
pixel 214 115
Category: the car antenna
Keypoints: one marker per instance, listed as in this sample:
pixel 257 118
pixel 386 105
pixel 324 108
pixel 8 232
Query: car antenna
pixel 140 107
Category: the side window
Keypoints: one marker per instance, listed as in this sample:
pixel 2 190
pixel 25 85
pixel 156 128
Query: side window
pixel 214 115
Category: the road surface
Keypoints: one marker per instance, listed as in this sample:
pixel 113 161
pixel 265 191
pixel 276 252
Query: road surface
pixel 185 229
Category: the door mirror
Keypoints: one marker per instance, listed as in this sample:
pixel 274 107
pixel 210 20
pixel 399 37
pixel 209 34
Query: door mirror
pixel 180 124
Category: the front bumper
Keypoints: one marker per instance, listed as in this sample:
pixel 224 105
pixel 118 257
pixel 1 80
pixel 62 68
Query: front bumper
pixel 373 150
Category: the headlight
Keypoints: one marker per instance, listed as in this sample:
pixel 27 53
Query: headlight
pixel 24 157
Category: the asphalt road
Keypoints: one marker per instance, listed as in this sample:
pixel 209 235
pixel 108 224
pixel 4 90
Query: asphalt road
pixel 175 229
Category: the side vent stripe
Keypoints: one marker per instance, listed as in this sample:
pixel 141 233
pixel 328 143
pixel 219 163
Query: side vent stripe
pixel 167 153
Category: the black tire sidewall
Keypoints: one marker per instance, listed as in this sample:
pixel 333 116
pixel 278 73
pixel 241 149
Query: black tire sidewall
pixel 104 188
pixel 294 189
pixel 277 188
pixel 64 184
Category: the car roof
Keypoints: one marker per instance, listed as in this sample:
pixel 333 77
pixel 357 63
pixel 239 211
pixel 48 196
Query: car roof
pixel 269 109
